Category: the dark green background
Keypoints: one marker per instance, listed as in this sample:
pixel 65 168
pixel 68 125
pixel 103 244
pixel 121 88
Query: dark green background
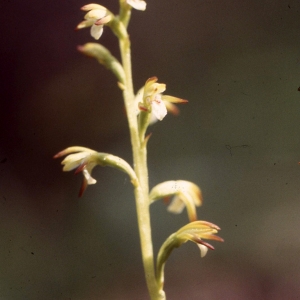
pixel 238 64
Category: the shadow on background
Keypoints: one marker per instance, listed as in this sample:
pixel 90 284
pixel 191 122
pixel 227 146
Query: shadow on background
pixel 238 64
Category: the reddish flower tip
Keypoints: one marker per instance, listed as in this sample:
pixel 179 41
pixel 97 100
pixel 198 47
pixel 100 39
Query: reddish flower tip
pixel 80 168
pixel 166 200
pixel 199 241
pixel 80 48
pixel 59 154
pixel 82 188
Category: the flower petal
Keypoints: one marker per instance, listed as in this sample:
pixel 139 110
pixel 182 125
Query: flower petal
pixel 72 161
pixel 159 109
pixel 137 4
pixel 176 206
pixel 88 177
pixel 96 31
pixel 92 6
pixel 203 250
pixel 85 24
pixel 96 14
pixel 173 99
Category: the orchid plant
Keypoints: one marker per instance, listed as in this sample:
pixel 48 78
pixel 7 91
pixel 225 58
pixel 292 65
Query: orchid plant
pixel 146 107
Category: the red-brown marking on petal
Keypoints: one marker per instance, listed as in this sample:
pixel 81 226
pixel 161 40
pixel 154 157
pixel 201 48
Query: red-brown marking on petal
pixel 212 237
pixel 166 200
pixel 154 79
pixel 142 108
pixel 199 241
pixel 80 168
pixel 103 20
pixel 59 154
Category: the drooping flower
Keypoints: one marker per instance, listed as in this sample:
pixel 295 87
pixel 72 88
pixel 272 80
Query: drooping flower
pixel 137 4
pixel 185 194
pixel 153 101
pixel 96 17
pixel 83 160
pixel 194 232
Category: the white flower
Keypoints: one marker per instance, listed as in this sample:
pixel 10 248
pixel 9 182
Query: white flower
pixel 184 193
pixel 154 101
pixel 194 232
pixel 84 160
pixel 137 4
pixel 96 17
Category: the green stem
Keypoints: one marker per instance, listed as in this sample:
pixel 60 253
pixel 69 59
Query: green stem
pixel 140 166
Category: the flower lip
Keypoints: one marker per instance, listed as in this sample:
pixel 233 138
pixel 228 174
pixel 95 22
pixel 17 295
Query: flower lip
pixel 137 4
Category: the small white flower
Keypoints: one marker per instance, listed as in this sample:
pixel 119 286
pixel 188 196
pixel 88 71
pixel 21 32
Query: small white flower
pixel 83 161
pixel 96 17
pixel 194 232
pixel 154 101
pixel 184 193
pixel 137 4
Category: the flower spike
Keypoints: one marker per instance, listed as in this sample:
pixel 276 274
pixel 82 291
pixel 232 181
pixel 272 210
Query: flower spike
pixel 193 232
pixel 186 194
pixel 84 160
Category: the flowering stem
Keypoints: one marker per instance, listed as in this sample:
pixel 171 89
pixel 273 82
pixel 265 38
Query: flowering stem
pixel 140 166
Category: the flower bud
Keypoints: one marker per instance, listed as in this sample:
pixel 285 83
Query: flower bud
pixel 105 58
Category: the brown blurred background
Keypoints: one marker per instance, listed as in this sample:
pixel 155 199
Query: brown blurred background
pixel 238 64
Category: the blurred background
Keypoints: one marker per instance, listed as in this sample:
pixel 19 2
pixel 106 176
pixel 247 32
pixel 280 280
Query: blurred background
pixel 238 64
